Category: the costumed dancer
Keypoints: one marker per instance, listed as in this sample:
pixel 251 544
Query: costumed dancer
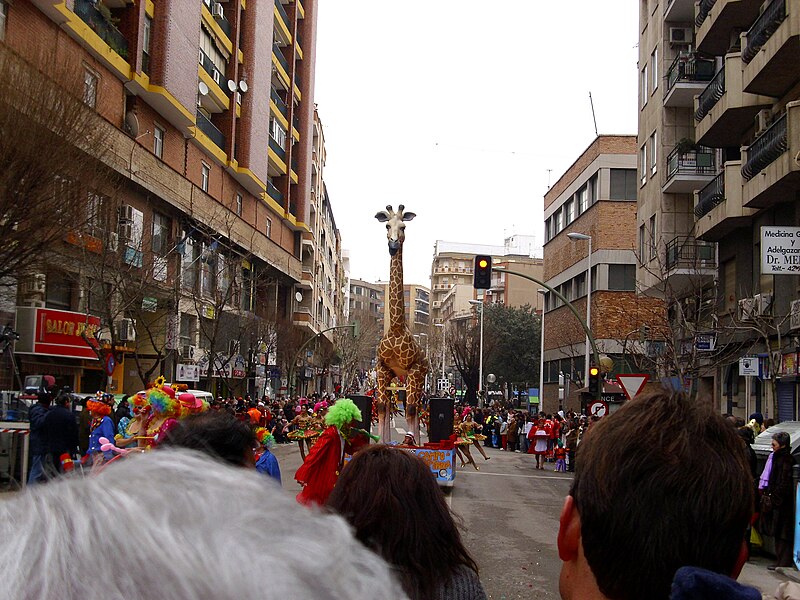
pixel 129 433
pixel 102 426
pixel 305 430
pixel 320 470
pixel 468 427
pixel 267 463
pixel 539 436
pixel 166 407
pixel 462 441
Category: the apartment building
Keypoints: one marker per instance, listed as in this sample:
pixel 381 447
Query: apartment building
pixel 210 118
pixel 730 90
pixel 417 300
pixel 367 302
pixel 592 208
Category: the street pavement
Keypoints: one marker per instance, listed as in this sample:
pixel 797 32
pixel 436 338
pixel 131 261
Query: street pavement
pixel 509 513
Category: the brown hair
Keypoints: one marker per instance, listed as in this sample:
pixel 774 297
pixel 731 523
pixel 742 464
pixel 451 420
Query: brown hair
pixel 393 502
pixel 660 484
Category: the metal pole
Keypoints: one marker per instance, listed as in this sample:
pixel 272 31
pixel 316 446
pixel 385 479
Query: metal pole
pixel 444 344
pixel 480 364
pixel 588 310
pixel 541 363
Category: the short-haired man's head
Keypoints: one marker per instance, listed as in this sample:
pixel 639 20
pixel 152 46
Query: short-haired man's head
pixel 217 434
pixel 783 438
pixel 660 484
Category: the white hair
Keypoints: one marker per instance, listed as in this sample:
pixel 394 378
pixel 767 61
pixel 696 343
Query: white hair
pixel 174 525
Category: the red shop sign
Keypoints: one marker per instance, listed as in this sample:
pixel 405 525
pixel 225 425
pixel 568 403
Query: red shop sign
pixel 56 332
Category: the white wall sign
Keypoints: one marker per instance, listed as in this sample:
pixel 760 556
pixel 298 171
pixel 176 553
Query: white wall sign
pixel 188 372
pixel 780 250
pixel 748 365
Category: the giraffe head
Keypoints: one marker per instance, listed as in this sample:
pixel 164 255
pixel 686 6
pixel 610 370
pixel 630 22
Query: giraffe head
pixel 395 226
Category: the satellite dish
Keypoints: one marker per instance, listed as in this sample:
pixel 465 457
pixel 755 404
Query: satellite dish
pixel 202 88
pixel 231 85
pixel 131 124
pixel 243 86
pixel 298 296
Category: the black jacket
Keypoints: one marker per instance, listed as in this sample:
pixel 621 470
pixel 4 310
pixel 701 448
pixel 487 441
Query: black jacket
pixel 60 431
pixel 37 414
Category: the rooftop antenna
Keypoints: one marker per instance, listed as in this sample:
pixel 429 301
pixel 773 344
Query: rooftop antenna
pixel 594 118
pixel 548 177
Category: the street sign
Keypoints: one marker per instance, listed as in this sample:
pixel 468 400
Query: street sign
pixel 597 408
pixel 442 384
pixel 748 365
pixel 632 383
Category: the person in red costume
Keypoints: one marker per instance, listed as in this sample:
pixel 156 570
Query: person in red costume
pixel 320 470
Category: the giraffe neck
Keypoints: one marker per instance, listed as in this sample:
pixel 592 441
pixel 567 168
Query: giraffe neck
pixel 397 307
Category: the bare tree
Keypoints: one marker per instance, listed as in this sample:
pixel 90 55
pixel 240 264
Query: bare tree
pixel 357 349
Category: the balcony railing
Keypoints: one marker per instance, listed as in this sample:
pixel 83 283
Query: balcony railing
pixel 283 14
pixel 207 127
pixel 88 13
pixel 710 196
pixel 298 80
pixel 279 102
pixel 766 148
pixel 274 192
pixel 702 13
pixel 699 161
pixel 293 208
pixel 276 147
pixel 210 68
pixel 766 24
pixel 688 253
pixel 689 68
pixel 294 162
pixel 711 95
pixel 145 63
pixel 296 122
pixel 281 58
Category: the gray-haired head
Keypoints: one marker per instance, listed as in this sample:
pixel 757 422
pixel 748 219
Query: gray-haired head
pixel 395 225
pixel 175 525
pixel 783 438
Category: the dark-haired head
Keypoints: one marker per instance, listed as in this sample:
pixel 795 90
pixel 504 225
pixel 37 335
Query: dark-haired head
pixel 661 483
pixel 393 502
pixel 217 434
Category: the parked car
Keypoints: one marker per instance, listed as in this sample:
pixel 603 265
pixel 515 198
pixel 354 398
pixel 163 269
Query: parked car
pixel 763 442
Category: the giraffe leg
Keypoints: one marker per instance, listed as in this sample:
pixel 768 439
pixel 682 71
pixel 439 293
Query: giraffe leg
pixel 385 376
pixel 414 384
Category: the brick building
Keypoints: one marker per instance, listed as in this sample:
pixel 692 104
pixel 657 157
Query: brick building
pixel 210 122
pixel 596 197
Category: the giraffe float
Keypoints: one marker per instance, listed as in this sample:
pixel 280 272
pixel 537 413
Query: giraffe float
pixel 398 353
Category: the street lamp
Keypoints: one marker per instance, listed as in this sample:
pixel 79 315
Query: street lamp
pixel 574 236
pixel 427 343
pixel 444 343
pixel 541 354
pixel 480 360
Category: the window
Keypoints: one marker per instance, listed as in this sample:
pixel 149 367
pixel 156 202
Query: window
pixel 643 85
pixel 189 264
pixel 643 164
pixel 623 184
pixel 247 289
pixel 58 291
pixel 3 16
pixel 582 199
pixel 158 141
pixel 580 285
pixel 654 70
pixel 146 35
pixel 209 48
pixel 268 228
pixel 207 263
pixel 557 222
pixel 653 153
pixel 569 212
pixel 622 277
pixel 653 244
pixel 95 214
pixel 239 202
pixel 89 88
pixel 187 329
pixel 160 233
pixel 547 235
pixel 278 133
pixel 205 176
pixel 593 189
pixel 642 242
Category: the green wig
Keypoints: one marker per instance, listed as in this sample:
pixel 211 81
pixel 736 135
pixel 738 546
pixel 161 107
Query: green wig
pixel 342 413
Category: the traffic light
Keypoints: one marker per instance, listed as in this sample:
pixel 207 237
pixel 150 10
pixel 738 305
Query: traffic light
pixel 594 381
pixel 482 273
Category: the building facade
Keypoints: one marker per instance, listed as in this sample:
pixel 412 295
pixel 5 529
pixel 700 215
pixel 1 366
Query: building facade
pixel 596 199
pixel 213 193
pixel 731 90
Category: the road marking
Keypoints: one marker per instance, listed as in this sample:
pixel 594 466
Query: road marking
pixel 514 475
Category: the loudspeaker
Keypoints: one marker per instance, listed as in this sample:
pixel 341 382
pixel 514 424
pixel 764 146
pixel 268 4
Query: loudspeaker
pixel 441 419
pixel 364 404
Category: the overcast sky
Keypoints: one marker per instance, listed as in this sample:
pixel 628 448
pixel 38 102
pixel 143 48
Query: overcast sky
pixel 458 109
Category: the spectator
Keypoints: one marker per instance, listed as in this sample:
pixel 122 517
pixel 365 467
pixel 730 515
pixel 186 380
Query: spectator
pixel 513 429
pixel 503 433
pixel 778 511
pixel 60 431
pixel 218 435
pixel 660 484
pixel 267 463
pixel 122 411
pixel 421 541
pixel 40 468
pixel 174 524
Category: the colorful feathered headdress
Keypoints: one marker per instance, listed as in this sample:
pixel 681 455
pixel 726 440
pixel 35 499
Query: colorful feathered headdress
pixel 264 437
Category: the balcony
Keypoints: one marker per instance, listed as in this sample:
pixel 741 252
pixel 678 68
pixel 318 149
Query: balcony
pixel 771 169
pixel 689 168
pixel 687 76
pixel 724 112
pixel 276 50
pixel 718 206
pixel 718 22
pixel 105 29
pixel 205 125
pixel 284 17
pixel 279 102
pixel 274 193
pixel 277 148
pixel 223 23
pixel 690 263
pixel 770 55
pixel 306 279
pixel 679 11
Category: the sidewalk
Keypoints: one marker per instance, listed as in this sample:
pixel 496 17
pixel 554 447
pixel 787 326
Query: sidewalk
pixel 755 574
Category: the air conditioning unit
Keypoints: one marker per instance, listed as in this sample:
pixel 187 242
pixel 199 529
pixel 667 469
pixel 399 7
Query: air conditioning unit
pixel 126 330
pixel 188 352
pixel 126 213
pixel 113 241
pixel 763 121
pixel 762 304
pixel 794 315
pixel 746 308
pixel 125 230
pixel 217 12
pixel 35 284
pixel 680 36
